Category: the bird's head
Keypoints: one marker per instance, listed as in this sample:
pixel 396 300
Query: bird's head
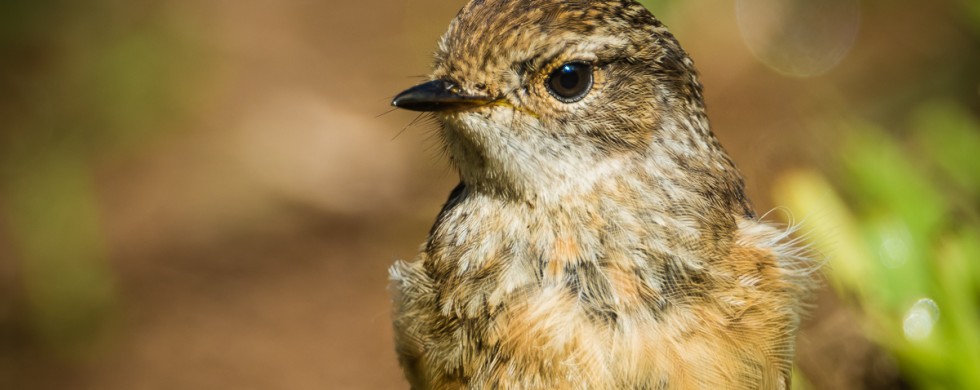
pixel 540 99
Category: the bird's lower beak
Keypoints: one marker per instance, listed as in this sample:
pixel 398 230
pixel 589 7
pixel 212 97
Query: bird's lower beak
pixel 437 95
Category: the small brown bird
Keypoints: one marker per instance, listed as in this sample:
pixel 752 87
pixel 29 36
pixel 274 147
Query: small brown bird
pixel 600 237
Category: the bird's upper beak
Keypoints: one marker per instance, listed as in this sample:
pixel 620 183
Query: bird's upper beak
pixel 437 95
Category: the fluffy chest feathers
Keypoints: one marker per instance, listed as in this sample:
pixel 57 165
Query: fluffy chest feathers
pixel 604 292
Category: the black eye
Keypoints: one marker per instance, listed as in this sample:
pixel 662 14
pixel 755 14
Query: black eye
pixel 570 82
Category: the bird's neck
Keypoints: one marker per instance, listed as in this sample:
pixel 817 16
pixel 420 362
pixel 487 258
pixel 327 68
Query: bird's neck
pixel 634 199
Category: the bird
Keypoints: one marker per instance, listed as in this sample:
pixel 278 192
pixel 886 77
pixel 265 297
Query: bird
pixel 600 236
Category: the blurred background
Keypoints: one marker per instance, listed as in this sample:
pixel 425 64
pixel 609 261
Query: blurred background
pixel 207 194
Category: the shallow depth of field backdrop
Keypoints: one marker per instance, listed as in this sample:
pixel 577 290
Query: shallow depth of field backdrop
pixel 202 194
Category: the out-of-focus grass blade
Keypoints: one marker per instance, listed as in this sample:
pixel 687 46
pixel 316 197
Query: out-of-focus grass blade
pixel 828 225
pixel 53 216
pixel 951 138
pixel 883 181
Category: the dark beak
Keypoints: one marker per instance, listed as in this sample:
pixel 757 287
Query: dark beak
pixel 437 95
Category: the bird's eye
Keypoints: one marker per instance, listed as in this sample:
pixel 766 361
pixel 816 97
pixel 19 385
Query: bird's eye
pixel 570 82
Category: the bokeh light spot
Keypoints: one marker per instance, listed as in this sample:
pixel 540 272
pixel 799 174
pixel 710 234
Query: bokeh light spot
pixel 799 38
pixel 894 252
pixel 920 319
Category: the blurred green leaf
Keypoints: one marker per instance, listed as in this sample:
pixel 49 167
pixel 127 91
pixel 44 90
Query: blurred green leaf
pixel 54 219
pixel 876 169
pixel 825 218
pixel 951 137
pixel 902 240
pixel 972 11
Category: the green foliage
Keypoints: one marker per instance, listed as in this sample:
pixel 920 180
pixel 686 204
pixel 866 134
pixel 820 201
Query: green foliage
pixel 971 10
pixel 899 227
pixel 54 220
